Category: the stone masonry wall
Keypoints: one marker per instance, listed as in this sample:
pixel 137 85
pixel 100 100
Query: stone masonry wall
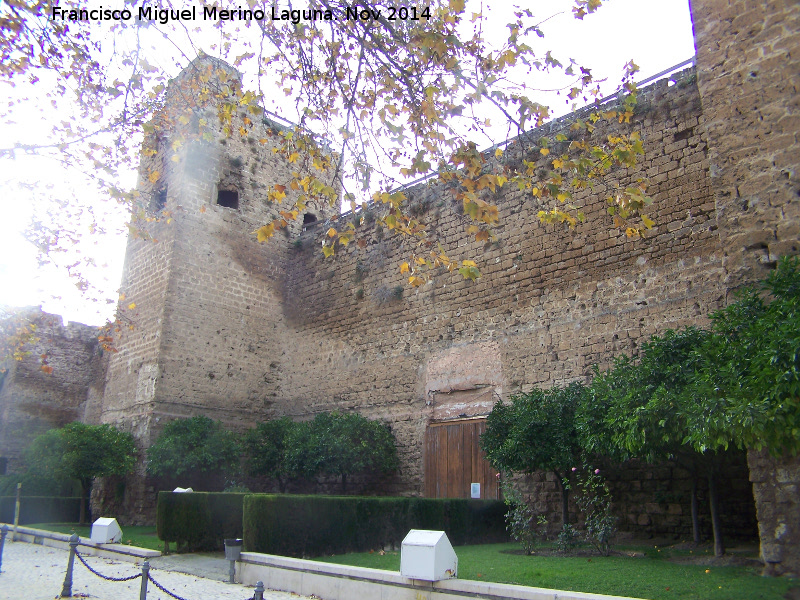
pixel 204 333
pixel 748 57
pixel 245 332
pixel 222 336
pixel 654 501
pixel 32 400
pixel 550 302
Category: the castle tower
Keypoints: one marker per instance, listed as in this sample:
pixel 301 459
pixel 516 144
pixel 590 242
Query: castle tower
pixel 200 300
pixel 748 75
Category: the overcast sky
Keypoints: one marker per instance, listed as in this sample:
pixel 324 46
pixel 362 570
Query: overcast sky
pixel 656 34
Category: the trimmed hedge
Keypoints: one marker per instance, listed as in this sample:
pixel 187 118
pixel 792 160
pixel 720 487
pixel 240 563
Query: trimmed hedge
pixel 199 520
pixel 41 509
pixel 317 525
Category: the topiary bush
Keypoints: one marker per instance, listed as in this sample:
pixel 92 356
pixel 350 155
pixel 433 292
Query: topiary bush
pixel 198 520
pixel 41 509
pixel 33 485
pixel 317 525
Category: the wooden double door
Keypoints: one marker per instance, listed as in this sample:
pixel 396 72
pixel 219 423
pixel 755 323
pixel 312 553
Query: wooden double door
pixel 454 461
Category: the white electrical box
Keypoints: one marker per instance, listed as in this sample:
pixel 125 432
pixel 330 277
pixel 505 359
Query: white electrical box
pixel 106 531
pixel 428 555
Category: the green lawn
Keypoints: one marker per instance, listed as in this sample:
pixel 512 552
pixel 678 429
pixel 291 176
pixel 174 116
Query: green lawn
pixel 143 537
pixel 652 576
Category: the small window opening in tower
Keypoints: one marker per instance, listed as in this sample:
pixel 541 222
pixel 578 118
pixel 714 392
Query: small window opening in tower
pixel 309 218
pixel 228 198
pixel 159 200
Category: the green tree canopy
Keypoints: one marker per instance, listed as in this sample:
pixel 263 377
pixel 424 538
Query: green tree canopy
pixel 645 407
pixel 750 374
pixel 536 432
pixel 195 448
pixel 266 447
pixel 342 444
pixel 752 365
pixel 82 452
pixel 651 408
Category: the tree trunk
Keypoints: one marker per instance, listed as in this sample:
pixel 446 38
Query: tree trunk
pixel 564 499
pixel 344 483
pixel 716 525
pixel 695 511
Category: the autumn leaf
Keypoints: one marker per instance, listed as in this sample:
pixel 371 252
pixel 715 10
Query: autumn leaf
pixel 318 69
pixel 457 6
pixel 469 271
pixel 265 232
pixel 132 305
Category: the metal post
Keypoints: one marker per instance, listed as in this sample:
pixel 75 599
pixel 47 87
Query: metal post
pixel 145 577
pixel 3 534
pixel 259 593
pixel 16 511
pixel 233 550
pixel 66 591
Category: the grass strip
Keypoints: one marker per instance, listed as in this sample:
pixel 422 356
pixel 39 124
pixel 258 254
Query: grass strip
pixel 651 573
pixel 139 536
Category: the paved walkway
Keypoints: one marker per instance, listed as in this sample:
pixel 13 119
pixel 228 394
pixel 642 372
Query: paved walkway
pixel 33 572
pixel 201 565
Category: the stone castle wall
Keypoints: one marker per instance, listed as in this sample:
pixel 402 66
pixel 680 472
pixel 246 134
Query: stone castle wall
pixel 32 400
pixel 655 501
pixel 550 304
pixel 205 328
pixel 245 332
pixel 206 295
pixel 748 57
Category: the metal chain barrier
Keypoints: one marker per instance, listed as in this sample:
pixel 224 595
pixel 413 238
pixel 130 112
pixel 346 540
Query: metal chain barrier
pixel 163 589
pixel 66 591
pixel 85 564
pixel 257 595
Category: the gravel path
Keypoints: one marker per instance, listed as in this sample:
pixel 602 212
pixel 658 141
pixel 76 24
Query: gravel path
pixel 33 572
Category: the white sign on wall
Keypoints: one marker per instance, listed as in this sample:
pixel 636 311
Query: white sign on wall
pixel 475 490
